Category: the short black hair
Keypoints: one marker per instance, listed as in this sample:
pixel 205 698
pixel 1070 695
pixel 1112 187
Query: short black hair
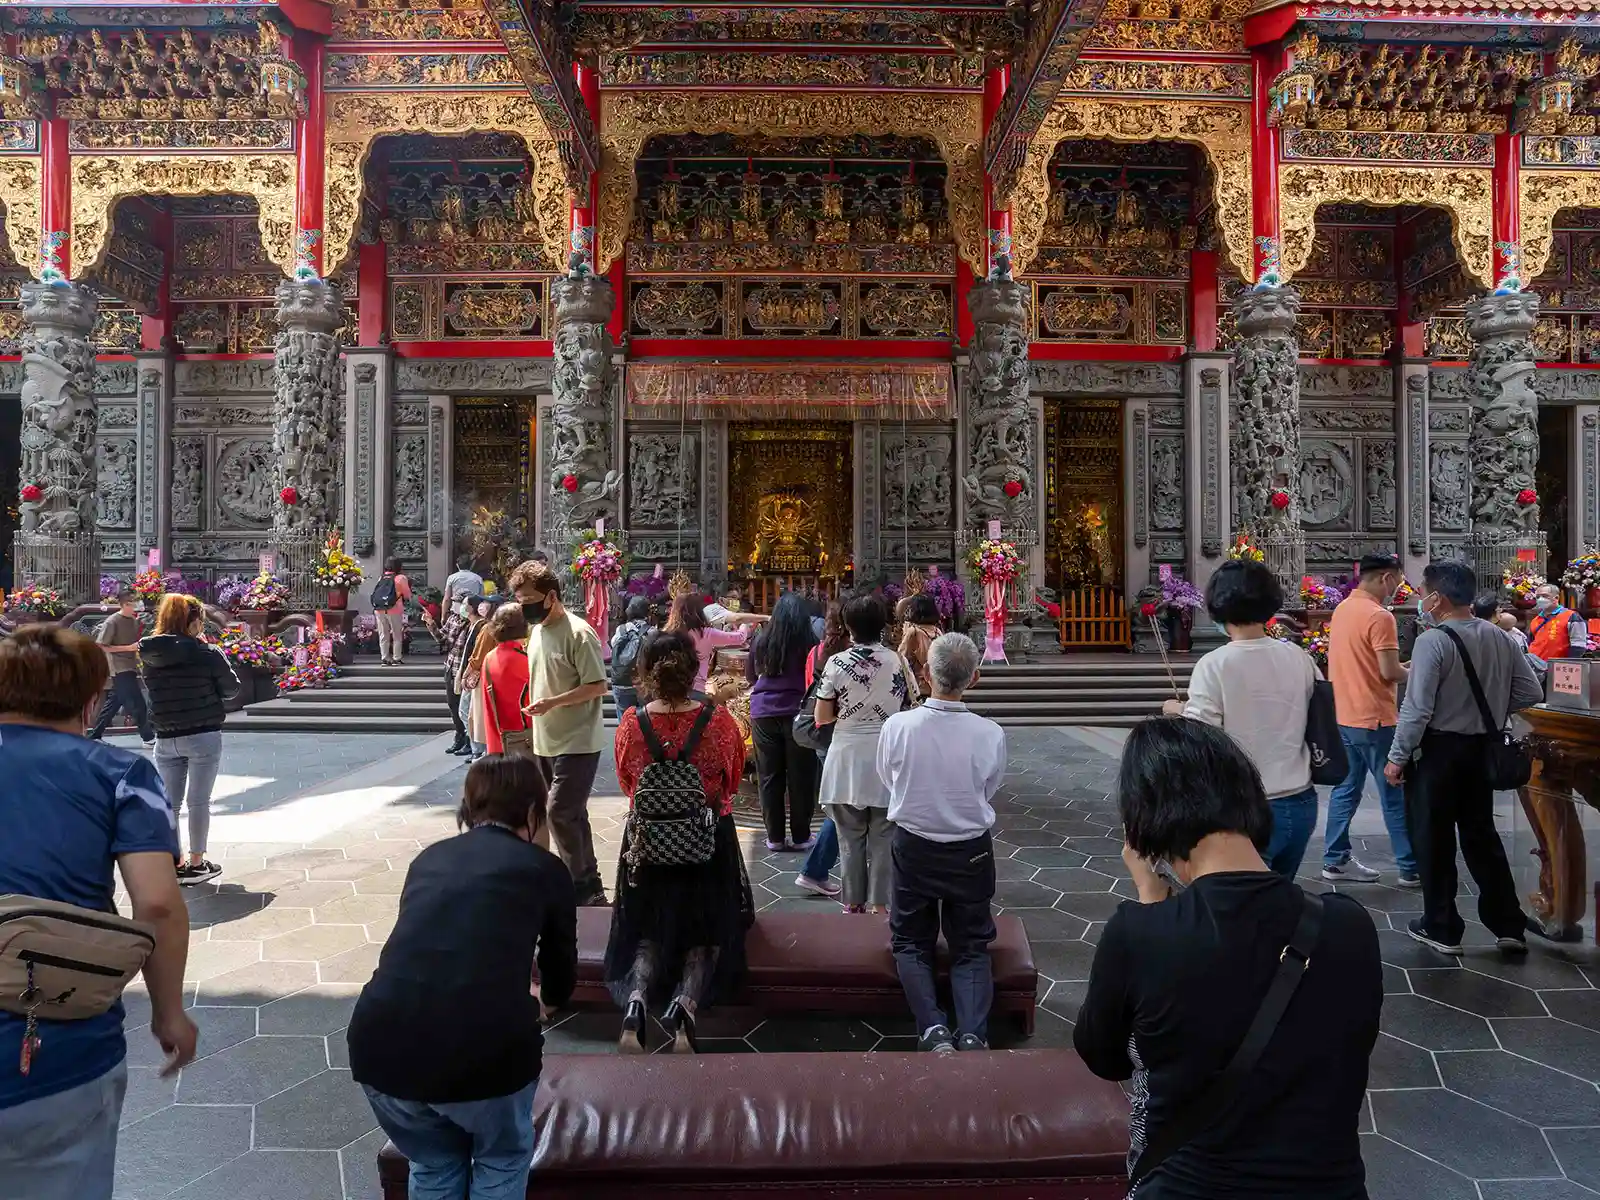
pixel 1182 780
pixel 503 788
pixel 921 610
pixel 1486 605
pixel 1452 579
pixel 126 595
pixel 392 566
pixel 1242 592
pixel 539 556
pixel 864 617
pixel 1377 564
pixel 638 609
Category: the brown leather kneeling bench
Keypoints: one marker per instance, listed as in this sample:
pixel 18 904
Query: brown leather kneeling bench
pixel 1006 1125
pixel 829 961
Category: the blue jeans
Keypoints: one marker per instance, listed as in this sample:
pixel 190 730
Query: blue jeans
pixel 188 768
pixel 64 1146
pixel 1293 819
pixel 489 1142
pixel 1367 750
pixel 824 855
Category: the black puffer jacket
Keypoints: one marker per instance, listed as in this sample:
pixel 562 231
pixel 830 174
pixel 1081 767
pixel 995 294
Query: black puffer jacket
pixel 188 682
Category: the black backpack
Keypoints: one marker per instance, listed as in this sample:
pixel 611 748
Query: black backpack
pixel 384 593
pixel 670 824
pixel 624 656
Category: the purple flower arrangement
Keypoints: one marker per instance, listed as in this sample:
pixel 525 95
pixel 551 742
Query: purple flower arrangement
pixel 1178 593
pixel 110 585
pixel 949 596
pixel 231 590
pixel 651 587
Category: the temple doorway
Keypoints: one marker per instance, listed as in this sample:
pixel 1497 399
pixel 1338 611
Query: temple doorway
pixel 1552 479
pixel 491 502
pixel 790 507
pixel 1084 496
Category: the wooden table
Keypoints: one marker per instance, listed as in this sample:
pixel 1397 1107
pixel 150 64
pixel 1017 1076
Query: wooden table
pixel 1566 760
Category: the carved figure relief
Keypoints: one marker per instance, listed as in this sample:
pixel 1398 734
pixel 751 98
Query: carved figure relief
pixel 1327 482
pixel 307 404
pixel 1381 485
pixel 188 482
pixel 663 481
pixel 118 479
pixel 1002 448
pixel 580 420
pixel 1449 486
pixel 1267 394
pixel 1166 483
pixel 58 413
pixel 916 480
pixel 410 480
pixel 244 483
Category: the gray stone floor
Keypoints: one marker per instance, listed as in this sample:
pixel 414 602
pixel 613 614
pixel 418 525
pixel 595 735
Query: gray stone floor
pixel 1483 1084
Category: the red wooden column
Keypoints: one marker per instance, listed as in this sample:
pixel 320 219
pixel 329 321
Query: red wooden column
pixel 372 292
pixel 310 134
pixel 1203 299
pixel 154 329
pixel 1507 187
pixel 55 245
pixel 995 84
pixel 1266 62
pixel 583 230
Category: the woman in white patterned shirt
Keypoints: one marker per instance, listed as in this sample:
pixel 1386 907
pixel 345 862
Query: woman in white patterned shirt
pixel 860 689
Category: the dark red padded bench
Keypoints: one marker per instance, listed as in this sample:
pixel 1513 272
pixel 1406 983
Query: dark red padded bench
pixel 1006 1125
pixel 827 961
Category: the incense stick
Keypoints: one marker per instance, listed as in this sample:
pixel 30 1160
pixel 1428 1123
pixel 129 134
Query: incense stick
pixel 1161 645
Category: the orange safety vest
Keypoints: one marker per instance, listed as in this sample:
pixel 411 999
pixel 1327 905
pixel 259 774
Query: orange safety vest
pixel 1551 634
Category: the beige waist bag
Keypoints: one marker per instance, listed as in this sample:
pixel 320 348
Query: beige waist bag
pixel 64 963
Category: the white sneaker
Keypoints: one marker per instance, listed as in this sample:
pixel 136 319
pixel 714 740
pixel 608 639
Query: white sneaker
pixel 821 887
pixel 150 745
pixel 1351 871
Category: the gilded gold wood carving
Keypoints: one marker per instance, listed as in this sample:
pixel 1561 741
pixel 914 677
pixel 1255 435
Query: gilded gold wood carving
pixel 356 118
pixel 1465 192
pixel 1222 130
pixel 99 181
pixel 954 123
pixel 20 192
pixel 1544 194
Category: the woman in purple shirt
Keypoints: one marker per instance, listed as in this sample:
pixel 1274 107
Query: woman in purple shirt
pixel 776 667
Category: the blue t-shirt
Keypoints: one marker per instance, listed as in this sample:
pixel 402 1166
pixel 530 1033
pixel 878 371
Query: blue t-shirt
pixel 68 807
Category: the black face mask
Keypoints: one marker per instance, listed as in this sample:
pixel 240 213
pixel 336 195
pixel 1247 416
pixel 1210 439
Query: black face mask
pixel 536 611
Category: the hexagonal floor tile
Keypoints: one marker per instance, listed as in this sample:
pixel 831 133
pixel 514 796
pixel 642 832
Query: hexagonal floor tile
pixel 1090 906
pixel 176 1146
pixel 1580 1008
pixel 1397 1064
pixel 324 1112
pixel 1475 993
pixel 1393 1171
pixel 317 1010
pixel 1579 1152
pixel 1524 1089
pixel 1566 1047
pixel 1465 1136
pixel 806 1034
pixel 315 943
pixel 1025 895
pixel 252 1070
pixel 1433 1026
pixel 275 1175
pixel 263 923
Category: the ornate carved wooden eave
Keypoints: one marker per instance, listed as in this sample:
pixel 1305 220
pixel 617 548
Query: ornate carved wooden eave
pixel 313 16
pixel 1056 33
pixel 543 56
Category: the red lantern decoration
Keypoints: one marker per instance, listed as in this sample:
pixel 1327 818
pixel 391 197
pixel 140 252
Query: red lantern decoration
pixel 1280 500
pixel 289 495
pixel 1012 488
pixel 1527 496
pixel 1147 609
pixel 569 483
pixel 32 493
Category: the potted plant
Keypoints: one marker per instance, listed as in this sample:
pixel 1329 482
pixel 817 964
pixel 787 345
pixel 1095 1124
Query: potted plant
pixel 254 661
pixel 1583 576
pixel 261 597
pixel 150 585
pixel 1318 596
pixel 337 571
pixel 1181 600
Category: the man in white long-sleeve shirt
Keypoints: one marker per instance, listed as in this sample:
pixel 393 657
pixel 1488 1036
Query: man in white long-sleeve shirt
pixel 942 765
pixel 1439 748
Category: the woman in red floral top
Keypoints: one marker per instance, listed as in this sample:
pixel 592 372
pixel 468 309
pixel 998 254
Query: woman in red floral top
pixel 677 932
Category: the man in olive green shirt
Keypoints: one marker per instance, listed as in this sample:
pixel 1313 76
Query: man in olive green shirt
pixel 566 680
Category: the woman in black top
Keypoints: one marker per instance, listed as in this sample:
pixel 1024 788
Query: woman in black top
pixel 1179 976
pixel 445 1037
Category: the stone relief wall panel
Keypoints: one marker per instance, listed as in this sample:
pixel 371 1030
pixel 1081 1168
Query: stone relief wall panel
pixel 222 489
pixel 916 484
pixel 1166 483
pixel 663 478
pixel 116 465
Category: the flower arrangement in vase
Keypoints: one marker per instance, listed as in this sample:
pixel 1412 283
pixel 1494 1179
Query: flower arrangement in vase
pixel 1244 547
pixel 598 559
pixel 1317 593
pixel 39 603
pixel 949 597
pixel 266 591
pixel 1521 582
pixel 994 561
pixel 150 585
pixel 336 570
pixel 1583 576
pixel 1181 600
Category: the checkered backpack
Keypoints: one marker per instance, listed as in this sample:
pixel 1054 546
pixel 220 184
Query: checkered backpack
pixel 671 824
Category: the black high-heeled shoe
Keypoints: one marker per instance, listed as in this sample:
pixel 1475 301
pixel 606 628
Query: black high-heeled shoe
pixel 679 1025
pixel 632 1040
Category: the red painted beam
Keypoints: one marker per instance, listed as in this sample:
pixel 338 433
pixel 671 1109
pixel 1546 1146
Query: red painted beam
pixel 372 293
pixel 1266 62
pixel 1081 351
pixel 310 134
pixel 1506 187
pixel 1203 299
pixel 313 16
pixel 531 348
pixel 56 198
pixel 786 348
pixel 1270 26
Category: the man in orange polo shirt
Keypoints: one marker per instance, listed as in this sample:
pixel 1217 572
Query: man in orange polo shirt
pixel 1364 667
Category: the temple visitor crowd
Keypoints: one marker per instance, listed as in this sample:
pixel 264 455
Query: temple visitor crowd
pixel 1248 1064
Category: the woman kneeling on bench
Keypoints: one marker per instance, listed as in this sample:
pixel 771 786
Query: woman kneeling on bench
pixel 678 925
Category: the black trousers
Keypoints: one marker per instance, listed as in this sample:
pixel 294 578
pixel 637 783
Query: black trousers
pixel 453 698
pixel 125 692
pixel 1446 791
pixel 943 886
pixel 785 766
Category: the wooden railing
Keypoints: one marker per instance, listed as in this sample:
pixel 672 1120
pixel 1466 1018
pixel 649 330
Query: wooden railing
pixel 1095 618
pixel 762 591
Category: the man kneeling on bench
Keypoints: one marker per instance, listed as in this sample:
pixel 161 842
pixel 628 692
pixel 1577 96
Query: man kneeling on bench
pixel 942 765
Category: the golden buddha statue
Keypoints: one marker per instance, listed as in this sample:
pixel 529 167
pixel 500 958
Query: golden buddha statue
pixel 913 229
pixel 786 534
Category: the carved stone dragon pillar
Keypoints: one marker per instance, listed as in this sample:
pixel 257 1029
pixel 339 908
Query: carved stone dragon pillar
pixel 1266 439
pixel 1002 467
pixel 582 483
pixel 57 546
pixel 305 424
pixel 1503 439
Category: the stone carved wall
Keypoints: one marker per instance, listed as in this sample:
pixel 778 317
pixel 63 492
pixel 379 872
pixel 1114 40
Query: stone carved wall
pixel 663 479
pixel 1266 436
pixel 1503 439
pixel 1166 483
pixel 307 405
pixel 410 480
pixel 581 484
pixel 117 487
pixel 1348 481
pixel 58 409
pixel 1001 445
pixel 918 465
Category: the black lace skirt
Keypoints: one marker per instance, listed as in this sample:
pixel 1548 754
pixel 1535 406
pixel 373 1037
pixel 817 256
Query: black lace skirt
pixel 691 921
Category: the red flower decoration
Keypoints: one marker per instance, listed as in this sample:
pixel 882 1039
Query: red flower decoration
pixel 570 483
pixel 1280 500
pixel 32 493
pixel 289 495
pixel 1013 488
pixel 1147 609
pixel 1527 496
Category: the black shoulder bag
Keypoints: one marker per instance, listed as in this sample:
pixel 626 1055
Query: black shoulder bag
pixel 1329 762
pixel 1506 761
pixel 1207 1108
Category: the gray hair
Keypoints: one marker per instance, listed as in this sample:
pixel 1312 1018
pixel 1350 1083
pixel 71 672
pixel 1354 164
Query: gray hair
pixel 952 662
